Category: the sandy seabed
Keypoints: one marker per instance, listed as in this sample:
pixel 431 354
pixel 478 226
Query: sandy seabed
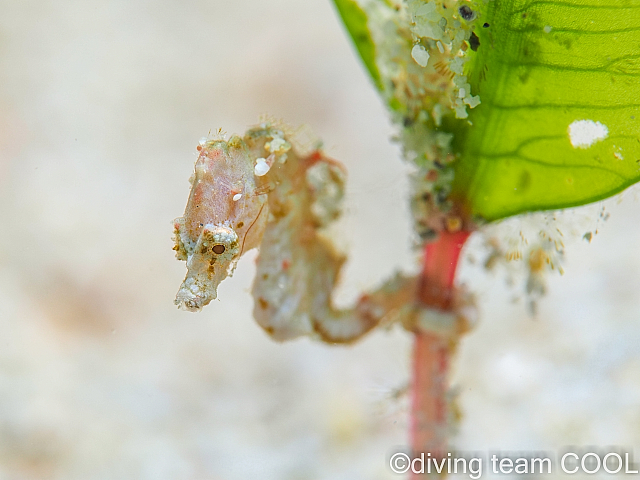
pixel 102 104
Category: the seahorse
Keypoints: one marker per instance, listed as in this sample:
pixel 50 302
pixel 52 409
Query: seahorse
pixel 263 191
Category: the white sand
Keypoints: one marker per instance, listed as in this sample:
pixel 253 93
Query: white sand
pixel 101 377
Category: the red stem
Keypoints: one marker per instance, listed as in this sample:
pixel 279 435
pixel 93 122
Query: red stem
pixel 431 356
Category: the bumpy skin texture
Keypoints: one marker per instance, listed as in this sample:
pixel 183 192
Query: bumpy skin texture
pixel 260 191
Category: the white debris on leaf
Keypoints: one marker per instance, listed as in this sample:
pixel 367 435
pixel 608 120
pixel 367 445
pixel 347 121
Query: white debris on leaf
pixel 461 112
pixel 456 66
pixel 618 154
pixel 420 55
pixel 422 50
pixel 428 11
pixel 430 30
pixel 237 197
pixel 427 21
pixel 473 102
pixel 437 24
pixel 584 133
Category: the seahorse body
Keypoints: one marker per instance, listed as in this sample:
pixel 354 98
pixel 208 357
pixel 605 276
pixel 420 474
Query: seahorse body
pixel 284 200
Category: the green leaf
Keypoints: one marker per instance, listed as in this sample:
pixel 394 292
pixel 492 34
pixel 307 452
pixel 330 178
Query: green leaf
pixel 541 66
pixel 355 20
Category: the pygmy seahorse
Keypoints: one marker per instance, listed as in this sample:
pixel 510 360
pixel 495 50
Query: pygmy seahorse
pixel 263 191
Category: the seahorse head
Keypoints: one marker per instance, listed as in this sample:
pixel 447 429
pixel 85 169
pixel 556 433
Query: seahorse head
pixel 225 217
pixel 212 259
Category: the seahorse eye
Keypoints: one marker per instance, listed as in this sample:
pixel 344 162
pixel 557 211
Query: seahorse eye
pixel 218 249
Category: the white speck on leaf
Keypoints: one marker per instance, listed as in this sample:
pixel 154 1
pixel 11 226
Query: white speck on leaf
pixel 473 102
pixel 584 133
pixel 420 55
pixel 237 197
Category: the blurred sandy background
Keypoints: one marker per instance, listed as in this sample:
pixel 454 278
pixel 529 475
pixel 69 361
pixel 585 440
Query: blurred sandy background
pixel 101 377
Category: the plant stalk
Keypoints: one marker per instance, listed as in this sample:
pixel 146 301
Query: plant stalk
pixel 432 352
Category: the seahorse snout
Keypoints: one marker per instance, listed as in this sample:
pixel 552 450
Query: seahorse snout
pixel 211 260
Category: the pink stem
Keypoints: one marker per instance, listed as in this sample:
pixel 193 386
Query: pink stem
pixel 431 356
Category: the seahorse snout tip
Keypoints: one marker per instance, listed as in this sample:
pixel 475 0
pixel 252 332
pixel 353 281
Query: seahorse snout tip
pixel 192 298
